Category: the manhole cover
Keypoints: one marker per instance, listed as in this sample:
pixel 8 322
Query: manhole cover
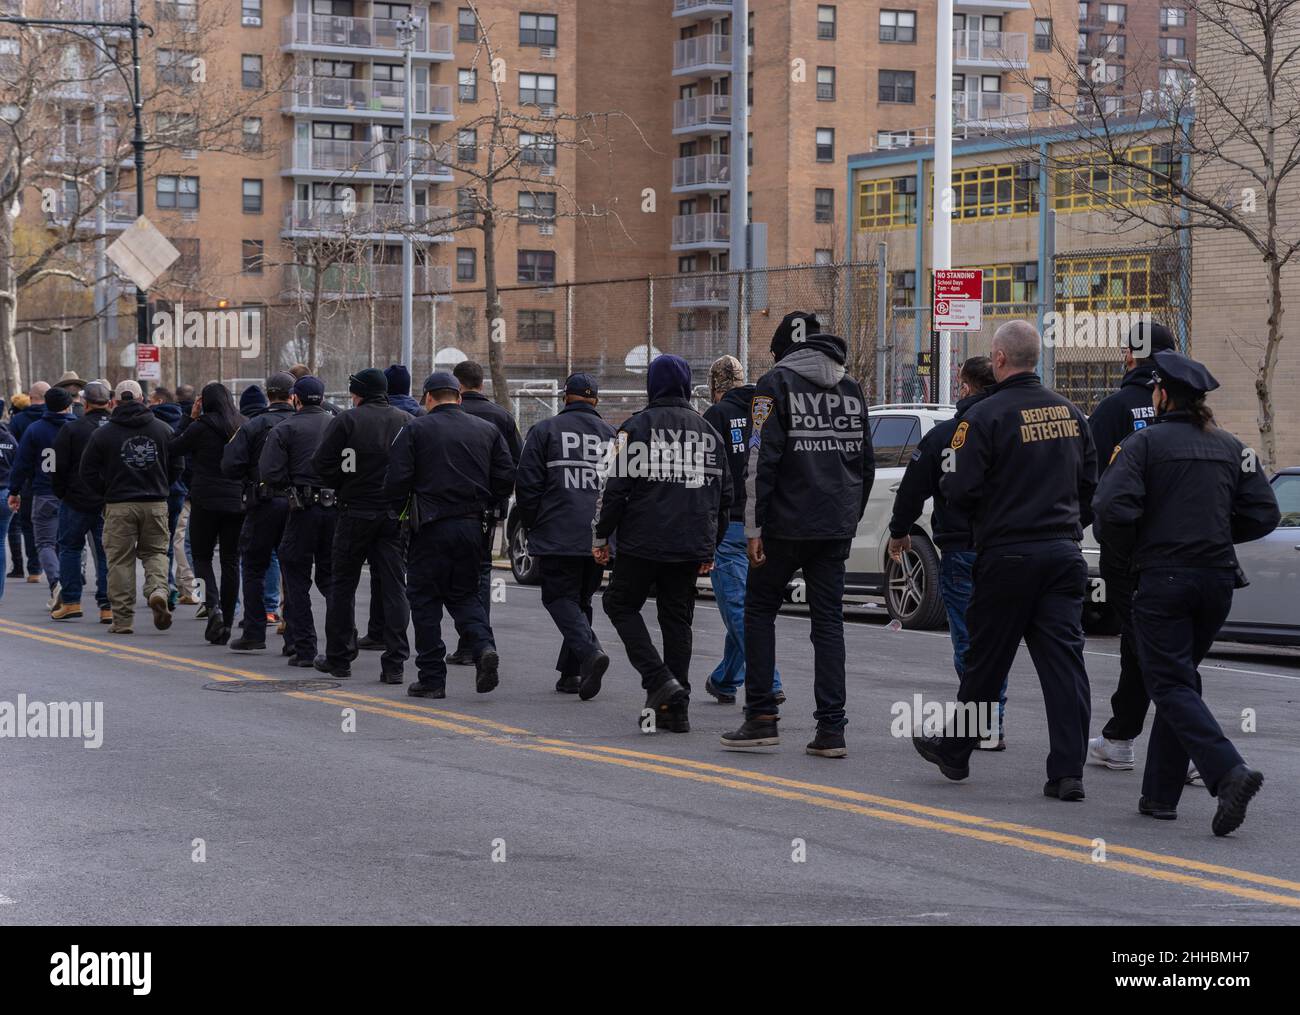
pixel 271 685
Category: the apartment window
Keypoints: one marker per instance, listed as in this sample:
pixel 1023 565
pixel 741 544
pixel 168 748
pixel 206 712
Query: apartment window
pixel 466 25
pixel 823 205
pixel 536 206
pixel 252 134
pixel 466 208
pixel 1043 35
pixel 897 86
pixel 537 149
pixel 537 89
pixel 537 266
pixel 252 257
pixel 538 29
pixel 687 265
pixel 1083 13
pixel 1042 93
pixel 1114 13
pixel 1174 47
pixel 822 256
pixel 898 26
pixel 826 84
pixel 467 79
pixel 1173 17
pixel 1175 79
pixel 537 325
pixel 1004 191
pixel 175 67
pixel 888 203
pixel 250 13
pixel 250 70
pixel 1093 181
pixel 749 149
pixel 378 11
pixel 252 196
pixel 177 192
pixel 1111 283
pixel 177 10
pixel 825 144
pixel 466 264
pixel 749 30
pixel 180 130
pixel 467 145
pixel 1008 287
pixel 825 21
pixel 1115 45
pixel 749 89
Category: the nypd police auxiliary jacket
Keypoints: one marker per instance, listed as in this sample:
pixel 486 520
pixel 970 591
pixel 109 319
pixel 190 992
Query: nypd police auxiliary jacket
pixel 811 464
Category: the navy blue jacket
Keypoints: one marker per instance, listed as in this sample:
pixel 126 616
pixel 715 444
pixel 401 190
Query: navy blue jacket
pixel 24 418
pixel 8 453
pixel 1122 412
pixel 729 415
pixel 69 446
pixel 559 480
pixel 173 415
pixel 30 465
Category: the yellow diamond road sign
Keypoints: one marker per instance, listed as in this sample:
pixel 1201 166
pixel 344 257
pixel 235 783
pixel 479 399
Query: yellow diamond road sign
pixel 142 253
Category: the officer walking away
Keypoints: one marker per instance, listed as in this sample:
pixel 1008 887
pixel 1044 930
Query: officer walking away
pixel 470 376
pixel 81 509
pixel 352 459
pixel 729 415
pixel 21 420
pixel 809 473
pixel 1118 415
pixel 555 491
pixel 286 466
pixel 34 470
pixel 665 500
pixel 8 451
pixel 951 528
pixel 1186 570
pixel 126 460
pixel 265 510
pixel 1024 471
pixel 446 523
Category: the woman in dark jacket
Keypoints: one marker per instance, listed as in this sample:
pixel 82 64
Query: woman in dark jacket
pixel 216 512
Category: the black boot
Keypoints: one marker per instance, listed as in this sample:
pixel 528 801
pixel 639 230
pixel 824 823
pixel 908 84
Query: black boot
pixel 1068 789
pixel 936 751
pixel 213 628
pixel 337 672
pixel 758 732
pixel 590 673
pixel 1235 791
pixel 485 671
pixel 568 684
pixel 827 744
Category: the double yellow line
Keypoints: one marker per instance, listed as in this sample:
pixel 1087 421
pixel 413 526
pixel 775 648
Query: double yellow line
pixel 1042 841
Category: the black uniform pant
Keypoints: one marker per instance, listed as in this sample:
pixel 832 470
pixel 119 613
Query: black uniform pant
pixel 375 621
pixel 444 566
pixel 1128 705
pixel 628 589
pixel 1032 591
pixel 484 591
pixel 822 563
pixel 1177 614
pixel 308 536
pixel 263 529
pixel 375 536
pixel 207 529
pixel 568 585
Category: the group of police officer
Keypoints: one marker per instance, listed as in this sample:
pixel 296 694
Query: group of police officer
pixel 1014 478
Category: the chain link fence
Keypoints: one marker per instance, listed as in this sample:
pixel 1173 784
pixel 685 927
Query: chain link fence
pixel 612 328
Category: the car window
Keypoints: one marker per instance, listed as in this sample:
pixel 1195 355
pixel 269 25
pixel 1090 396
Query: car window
pixel 1287 490
pixel 894 439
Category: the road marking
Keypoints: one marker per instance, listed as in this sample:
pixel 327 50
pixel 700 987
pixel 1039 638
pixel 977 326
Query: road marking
pixel 827 797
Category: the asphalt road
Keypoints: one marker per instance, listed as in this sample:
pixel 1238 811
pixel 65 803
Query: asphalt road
pixel 527 806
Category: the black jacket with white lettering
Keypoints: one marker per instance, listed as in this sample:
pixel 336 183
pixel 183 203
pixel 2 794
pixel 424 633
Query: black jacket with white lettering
pixel 1122 412
pixel 920 482
pixel 729 415
pixel 666 494
pixel 1175 495
pixel 454 465
pixel 1025 467
pixel 127 460
pixel 559 480
pixel 353 455
pixel 811 464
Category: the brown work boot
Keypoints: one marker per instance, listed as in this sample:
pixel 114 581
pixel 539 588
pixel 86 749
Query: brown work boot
pixel 66 611
pixel 105 615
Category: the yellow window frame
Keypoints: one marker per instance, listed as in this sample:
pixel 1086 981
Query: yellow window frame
pixel 1108 283
pixel 1090 181
pixel 976 191
pixel 994 274
pixel 879 207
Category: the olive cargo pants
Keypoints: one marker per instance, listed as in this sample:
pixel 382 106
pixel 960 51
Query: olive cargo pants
pixel 134 530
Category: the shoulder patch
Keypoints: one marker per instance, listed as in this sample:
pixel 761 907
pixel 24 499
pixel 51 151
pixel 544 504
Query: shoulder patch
pixel 1115 454
pixel 760 408
pixel 959 438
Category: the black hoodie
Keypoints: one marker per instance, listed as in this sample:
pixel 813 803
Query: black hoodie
pixel 127 459
pixel 203 441
pixel 811 464
pixel 1122 412
pixel 729 415
pixel 69 446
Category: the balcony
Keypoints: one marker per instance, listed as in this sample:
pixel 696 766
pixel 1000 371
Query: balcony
pixel 85 151
pixel 998 50
pixel 703 231
pixel 701 8
pixel 990 6
pixel 703 114
pixel 358 37
pixel 707 290
pixel 991 110
pixel 702 55
pixel 343 281
pixel 119 212
pixel 84 10
pixel 363 160
pixel 1093 22
pixel 701 172
pixel 359 98
pixel 376 220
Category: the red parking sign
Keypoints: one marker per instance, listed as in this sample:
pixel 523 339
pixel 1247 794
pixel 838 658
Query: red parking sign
pixel 958 299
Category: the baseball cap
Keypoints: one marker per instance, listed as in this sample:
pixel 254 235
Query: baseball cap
pixel 282 382
pixel 97 392
pixel 581 384
pixel 309 389
pixel 127 389
pixel 441 380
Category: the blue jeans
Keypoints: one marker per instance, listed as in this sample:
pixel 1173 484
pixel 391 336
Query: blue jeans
pixel 730 572
pixel 955 590
pixel 6 516
pixel 74 526
pixel 271 597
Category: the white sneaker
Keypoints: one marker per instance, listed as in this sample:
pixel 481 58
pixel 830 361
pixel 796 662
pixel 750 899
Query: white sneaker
pixel 1193 776
pixel 55 597
pixel 1116 755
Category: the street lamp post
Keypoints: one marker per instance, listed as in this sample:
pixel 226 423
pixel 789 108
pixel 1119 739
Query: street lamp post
pixel 406 29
